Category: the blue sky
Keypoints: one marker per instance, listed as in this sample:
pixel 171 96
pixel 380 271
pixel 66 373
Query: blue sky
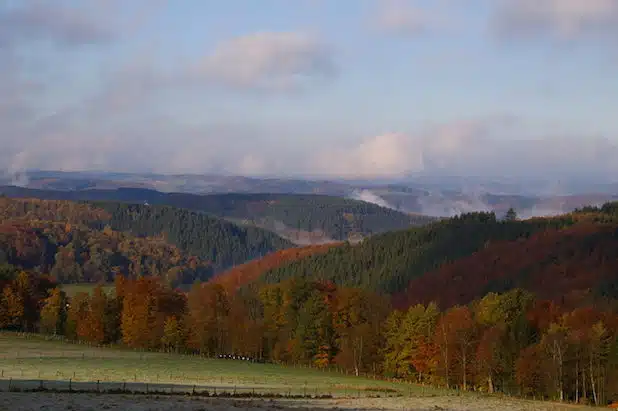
pixel 329 88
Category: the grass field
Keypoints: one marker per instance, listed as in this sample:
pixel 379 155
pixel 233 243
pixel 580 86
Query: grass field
pixel 34 358
pixel 31 359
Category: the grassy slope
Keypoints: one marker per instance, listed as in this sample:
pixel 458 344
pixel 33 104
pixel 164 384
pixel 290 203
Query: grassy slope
pixel 27 360
pixel 34 358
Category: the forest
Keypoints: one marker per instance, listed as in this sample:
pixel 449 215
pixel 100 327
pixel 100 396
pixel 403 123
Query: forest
pixel 388 262
pixel 511 342
pixel 238 277
pixel 78 242
pixel 338 218
pixel 519 307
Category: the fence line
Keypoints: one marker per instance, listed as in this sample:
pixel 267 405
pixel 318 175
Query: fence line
pixel 142 388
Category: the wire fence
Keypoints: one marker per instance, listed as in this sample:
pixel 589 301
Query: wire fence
pixel 136 388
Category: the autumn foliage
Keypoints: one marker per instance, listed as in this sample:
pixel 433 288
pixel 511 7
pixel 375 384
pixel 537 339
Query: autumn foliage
pixel 534 316
pixel 249 272
pixel 571 266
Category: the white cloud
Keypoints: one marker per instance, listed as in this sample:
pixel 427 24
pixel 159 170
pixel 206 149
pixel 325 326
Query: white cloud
pixel 385 155
pixel 36 20
pixel 403 18
pixel 269 60
pixel 470 148
pixel 562 20
pixel 413 17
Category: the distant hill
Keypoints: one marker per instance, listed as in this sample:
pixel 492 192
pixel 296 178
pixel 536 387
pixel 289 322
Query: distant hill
pixel 247 273
pixel 55 238
pixel 222 243
pixel 302 218
pixel 440 196
pixel 465 247
pixel 47 225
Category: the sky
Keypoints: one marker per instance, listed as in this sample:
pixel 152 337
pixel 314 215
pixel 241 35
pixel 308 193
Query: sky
pixel 311 88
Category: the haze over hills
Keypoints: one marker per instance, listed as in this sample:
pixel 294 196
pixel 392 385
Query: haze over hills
pixel 302 218
pixel 427 195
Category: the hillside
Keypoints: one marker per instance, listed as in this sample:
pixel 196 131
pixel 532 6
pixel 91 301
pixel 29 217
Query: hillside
pixel 35 231
pixel 300 217
pixel 77 254
pixel 222 243
pixel 241 275
pixel 574 266
pixel 388 262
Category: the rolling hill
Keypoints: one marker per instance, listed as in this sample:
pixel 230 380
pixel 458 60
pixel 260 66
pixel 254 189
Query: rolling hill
pixel 435 196
pixel 456 260
pixel 574 266
pixel 67 236
pixel 302 218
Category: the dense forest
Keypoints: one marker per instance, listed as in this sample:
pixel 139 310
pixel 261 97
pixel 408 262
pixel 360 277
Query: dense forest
pixel 388 262
pixel 77 242
pixel 576 265
pixel 222 243
pixel 335 217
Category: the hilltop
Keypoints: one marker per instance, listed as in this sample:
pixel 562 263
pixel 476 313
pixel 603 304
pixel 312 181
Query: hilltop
pixel 302 218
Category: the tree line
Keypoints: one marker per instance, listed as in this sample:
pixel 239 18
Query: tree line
pixel 510 342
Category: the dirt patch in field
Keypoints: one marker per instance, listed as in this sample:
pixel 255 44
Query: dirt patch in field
pixel 92 402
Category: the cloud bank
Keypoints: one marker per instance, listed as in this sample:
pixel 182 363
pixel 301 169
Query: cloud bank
pixel 158 113
pixel 270 60
pixel 560 20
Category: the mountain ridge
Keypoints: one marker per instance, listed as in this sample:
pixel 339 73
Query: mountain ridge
pixel 322 217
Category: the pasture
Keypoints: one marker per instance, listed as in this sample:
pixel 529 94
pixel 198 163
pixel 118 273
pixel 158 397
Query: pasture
pixel 33 358
pixel 29 360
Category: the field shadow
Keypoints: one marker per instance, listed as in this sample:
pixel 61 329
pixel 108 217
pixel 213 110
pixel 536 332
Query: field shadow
pixel 142 388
